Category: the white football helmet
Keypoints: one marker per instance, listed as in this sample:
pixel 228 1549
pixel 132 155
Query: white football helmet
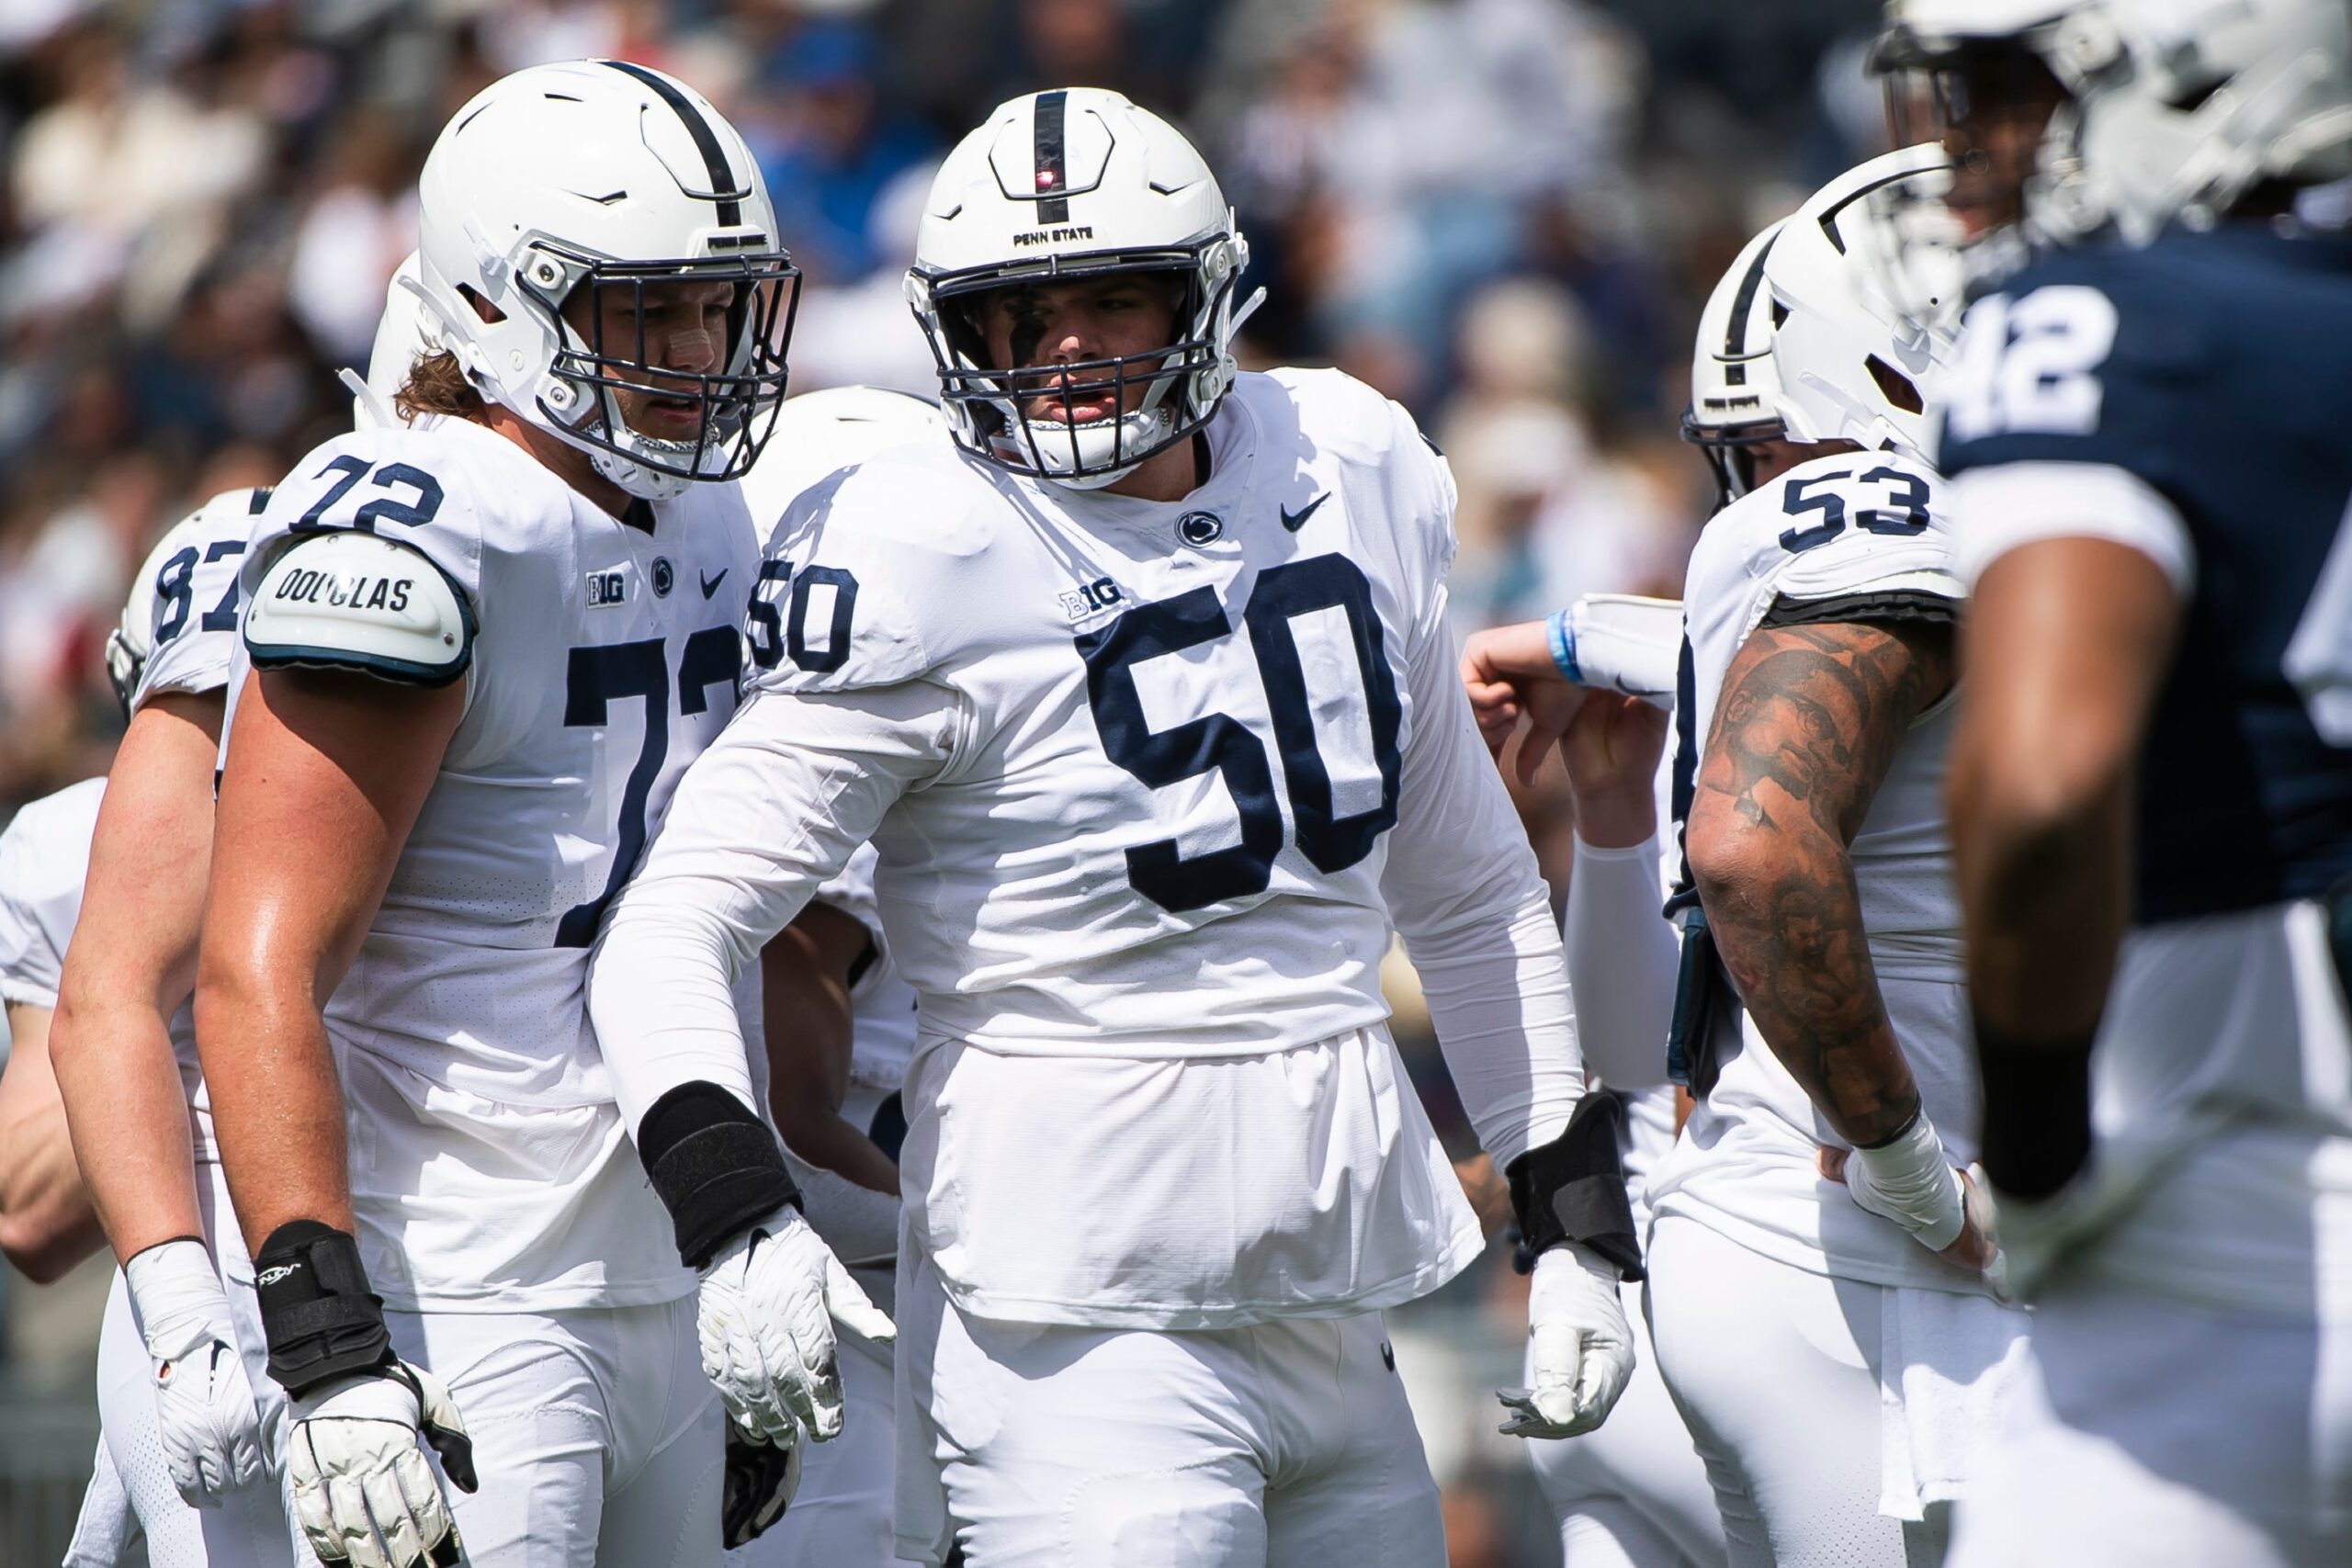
pixel 1735 390
pixel 1068 184
pixel 1854 362
pixel 2180 106
pixel 604 174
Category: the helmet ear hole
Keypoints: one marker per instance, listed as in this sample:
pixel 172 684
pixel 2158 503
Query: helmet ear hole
pixel 490 314
pixel 1897 388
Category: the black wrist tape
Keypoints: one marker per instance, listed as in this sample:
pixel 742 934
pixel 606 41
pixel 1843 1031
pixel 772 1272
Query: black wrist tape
pixel 1572 1188
pixel 317 1313
pixel 2037 1110
pixel 715 1166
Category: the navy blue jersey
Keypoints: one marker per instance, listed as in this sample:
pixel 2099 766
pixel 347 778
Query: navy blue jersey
pixel 2217 369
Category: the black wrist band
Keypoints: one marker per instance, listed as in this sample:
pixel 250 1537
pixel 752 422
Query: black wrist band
pixel 1572 1188
pixel 1908 1123
pixel 2037 1110
pixel 715 1166
pixel 317 1313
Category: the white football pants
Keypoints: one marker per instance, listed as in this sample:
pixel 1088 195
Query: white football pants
pixel 1286 1444
pixel 1775 1369
pixel 2155 1434
pixel 1634 1494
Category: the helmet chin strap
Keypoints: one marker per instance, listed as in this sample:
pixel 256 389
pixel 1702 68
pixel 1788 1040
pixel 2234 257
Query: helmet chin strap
pixel 1146 425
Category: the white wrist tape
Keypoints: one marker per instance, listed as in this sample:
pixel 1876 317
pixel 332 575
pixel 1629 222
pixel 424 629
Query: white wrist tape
pixel 1625 643
pixel 1911 1181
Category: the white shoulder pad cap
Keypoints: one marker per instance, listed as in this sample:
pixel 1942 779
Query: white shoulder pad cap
pixel 357 601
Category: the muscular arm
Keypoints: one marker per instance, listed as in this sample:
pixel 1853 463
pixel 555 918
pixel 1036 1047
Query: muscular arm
pixel 2068 640
pixel 131 964
pixel 326 775
pixel 804 987
pixel 47 1223
pixel 1803 733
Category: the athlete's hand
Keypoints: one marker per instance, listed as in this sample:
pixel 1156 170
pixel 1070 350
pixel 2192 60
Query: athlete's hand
pixel 205 1415
pixel 1610 748
pixel 364 1492
pixel 1912 1182
pixel 760 1479
pixel 768 1303
pixel 1507 671
pixel 1584 1347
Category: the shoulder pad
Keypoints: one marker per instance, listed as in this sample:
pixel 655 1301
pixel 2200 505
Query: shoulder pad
pixel 351 600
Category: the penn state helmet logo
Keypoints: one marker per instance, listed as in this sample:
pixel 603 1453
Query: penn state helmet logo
pixel 1200 529
pixel 665 577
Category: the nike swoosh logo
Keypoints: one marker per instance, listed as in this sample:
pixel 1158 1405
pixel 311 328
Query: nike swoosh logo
pixel 710 584
pixel 1294 521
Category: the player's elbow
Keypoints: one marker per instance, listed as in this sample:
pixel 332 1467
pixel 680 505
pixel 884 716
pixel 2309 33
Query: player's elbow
pixel 237 989
pixel 1738 865
pixel 46 1242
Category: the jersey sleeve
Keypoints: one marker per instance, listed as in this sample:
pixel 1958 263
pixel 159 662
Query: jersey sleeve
pixel 199 595
pixel 856 589
pixel 851 890
pixel 2056 417
pixel 1859 538
pixel 1462 888
pixel 42 871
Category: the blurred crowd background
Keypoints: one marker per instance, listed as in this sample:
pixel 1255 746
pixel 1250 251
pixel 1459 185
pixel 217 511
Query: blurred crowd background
pixel 1505 213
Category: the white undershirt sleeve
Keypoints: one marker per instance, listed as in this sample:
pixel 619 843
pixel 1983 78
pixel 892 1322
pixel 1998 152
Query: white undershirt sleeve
pixel 1621 958
pixel 1463 890
pixel 1997 510
pixel 777 805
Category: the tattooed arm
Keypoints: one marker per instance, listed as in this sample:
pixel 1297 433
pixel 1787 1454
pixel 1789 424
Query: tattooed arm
pixel 1804 730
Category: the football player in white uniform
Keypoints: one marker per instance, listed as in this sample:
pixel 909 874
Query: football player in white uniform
pixel 482 647
pixel 1142 690
pixel 175 1393
pixel 1836 1352
pixel 2152 792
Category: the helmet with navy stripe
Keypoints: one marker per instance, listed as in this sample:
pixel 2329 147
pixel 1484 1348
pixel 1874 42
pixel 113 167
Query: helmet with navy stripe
pixel 1734 392
pixel 559 184
pixel 1078 183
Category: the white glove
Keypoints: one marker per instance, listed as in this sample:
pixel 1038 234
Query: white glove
pixel 205 1415
pixel 766 1319
pixel 1911 1181
pixel 1584 1347
pixel 363 1491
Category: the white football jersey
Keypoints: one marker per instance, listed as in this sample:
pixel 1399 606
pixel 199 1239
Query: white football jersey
pixel 199 595
pixel 44 859
pixel 1845 537
pixel 1147 782
pixel 488 1163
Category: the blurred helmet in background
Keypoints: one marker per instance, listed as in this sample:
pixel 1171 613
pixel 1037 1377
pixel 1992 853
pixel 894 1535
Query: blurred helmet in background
pixel 1853 361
